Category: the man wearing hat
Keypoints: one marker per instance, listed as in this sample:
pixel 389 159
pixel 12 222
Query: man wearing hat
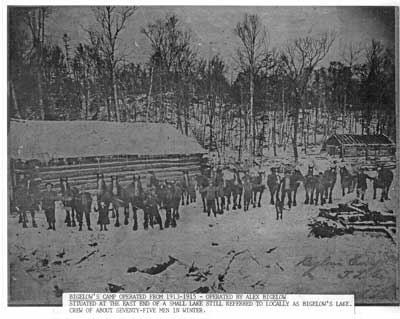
pixel 362 183
pixel 295 180
pixel 48 200
pixel 210 191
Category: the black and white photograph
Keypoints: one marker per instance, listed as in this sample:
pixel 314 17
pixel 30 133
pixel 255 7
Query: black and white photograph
pixel 202 149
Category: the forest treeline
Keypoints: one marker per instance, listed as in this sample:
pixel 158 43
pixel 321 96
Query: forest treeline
pixel 279 96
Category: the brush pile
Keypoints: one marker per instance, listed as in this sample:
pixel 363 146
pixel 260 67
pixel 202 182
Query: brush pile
pixel 350 217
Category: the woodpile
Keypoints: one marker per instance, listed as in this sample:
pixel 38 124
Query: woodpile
pixel 350 217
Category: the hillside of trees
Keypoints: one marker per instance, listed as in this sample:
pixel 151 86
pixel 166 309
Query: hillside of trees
pixel 280 97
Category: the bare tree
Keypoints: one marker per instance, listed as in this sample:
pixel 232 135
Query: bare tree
pixel 111 21
pixel 251 54
pixel 35 20
pixel 171 53
pixel 300 57
pixel 185 68
pixel 351 53
pixel 372 83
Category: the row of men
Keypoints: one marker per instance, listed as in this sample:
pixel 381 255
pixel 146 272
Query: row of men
pixel 46 202
pixel 280 188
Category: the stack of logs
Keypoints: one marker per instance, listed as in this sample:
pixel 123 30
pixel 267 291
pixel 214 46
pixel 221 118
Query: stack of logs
pixel 350 217
pixel 83 176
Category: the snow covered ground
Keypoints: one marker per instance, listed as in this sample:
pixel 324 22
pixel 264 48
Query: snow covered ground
pixel 237 252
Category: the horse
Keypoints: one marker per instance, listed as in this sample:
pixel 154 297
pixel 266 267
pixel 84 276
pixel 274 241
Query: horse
pixel 203 182
pixel 347 180
pixel 159 187
pixel 229 185
pixel 257 187
pixel 83 206
pixel 150 209
pixel 329 180
pixel 225 189
pixel 161 194
pixel 383 181
pixel 310 184
pixel 68 202
pixel 134 191
pixel 237 190
pixel 172 201
pixel 177 192
pixel 120 198
pixel 285 188
pixel 296 178
pixel 273 182
pixel 221 191
pixel 320 189
pixel 192 189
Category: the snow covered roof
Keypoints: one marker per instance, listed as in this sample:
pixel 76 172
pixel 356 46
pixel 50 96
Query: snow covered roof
pixel 45 140
pixel 352 139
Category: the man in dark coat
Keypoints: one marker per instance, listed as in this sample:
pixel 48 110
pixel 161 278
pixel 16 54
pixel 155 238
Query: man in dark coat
pixel 320 189
pixel 32 183
pixel 362 183
pixel 279 207
pixel 103 219
pixel 83 202
pixel 48 199
pixel 210 191
pixel 150 209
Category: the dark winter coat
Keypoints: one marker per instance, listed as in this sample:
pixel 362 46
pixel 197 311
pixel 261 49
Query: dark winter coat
pixel 362 180
pixel 49 200
pixel 210 192
pixel 272 181
pixel 103 215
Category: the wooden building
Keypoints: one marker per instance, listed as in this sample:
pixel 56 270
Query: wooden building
pixel 81 149
pixel 368 147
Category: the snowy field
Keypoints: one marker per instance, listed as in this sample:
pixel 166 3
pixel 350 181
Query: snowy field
pixel 237 252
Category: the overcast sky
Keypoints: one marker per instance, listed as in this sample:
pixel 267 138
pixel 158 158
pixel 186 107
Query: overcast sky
pixel 212 27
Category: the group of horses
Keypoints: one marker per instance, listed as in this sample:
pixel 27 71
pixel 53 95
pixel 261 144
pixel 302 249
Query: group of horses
pixel 230 185
pixel 113 197
pixel 233 184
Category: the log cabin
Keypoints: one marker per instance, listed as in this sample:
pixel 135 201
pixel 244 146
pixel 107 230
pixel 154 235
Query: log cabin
pixel 81 149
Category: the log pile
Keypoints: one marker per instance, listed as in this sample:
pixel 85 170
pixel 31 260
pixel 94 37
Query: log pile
pixel 350 217
pixel 83 176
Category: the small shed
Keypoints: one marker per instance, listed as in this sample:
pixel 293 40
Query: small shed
pixel 80 149
pixel 369 147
